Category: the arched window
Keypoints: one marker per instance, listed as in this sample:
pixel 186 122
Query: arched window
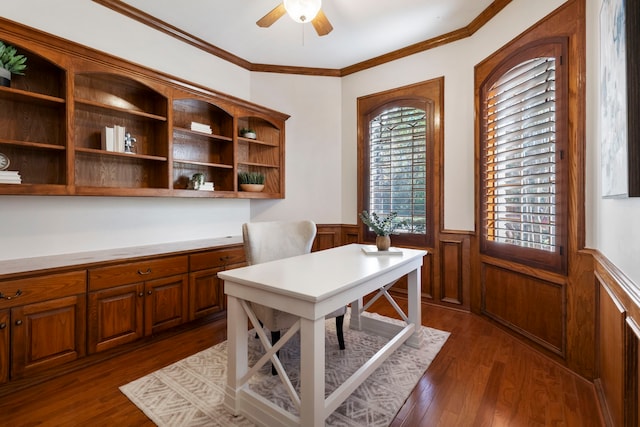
pixel 523 161
pixel 397 155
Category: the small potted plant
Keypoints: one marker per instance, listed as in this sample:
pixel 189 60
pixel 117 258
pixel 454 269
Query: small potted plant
pixel 10 63
pixel 382 226
pixel 251 181
pixel 248 133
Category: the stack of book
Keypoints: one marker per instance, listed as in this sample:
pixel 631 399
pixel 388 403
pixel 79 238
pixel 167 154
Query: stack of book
pixel 10 177
pixel 201 127
pixel 207 186
pixel 113 138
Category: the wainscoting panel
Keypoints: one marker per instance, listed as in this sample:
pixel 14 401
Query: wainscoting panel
pixel 451 268
pixel 632 376
pixel 610 346
pixel 528 305
pixel 328 236
pixel 617 343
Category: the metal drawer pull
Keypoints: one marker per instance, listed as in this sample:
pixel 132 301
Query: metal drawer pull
pixel 18 322
pixel 18 293
pixel 3 325
pixel 144 273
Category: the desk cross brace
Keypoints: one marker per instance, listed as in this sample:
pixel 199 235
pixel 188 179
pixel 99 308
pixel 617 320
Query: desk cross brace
pixel 384 291
pixel 271 354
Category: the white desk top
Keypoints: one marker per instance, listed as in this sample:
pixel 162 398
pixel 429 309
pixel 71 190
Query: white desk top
pixel 319 275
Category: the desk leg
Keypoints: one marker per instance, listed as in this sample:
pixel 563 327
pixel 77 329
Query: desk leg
pixel 312 406
pixel 237 352
pixel 413 287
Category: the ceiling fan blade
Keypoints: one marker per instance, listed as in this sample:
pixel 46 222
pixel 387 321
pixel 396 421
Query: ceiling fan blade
pixel 271 17
pixel 321 24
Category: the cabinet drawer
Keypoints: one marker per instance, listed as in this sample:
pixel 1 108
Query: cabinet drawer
pixel 217 258
pixel 133 272
pixel 42 288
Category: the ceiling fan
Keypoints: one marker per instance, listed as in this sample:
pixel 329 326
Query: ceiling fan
pixel 300 11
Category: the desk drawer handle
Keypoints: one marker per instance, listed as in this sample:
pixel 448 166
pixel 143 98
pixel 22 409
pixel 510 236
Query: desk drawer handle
pixel 3 325
pixel 144 273
pixel 18 322
pixel 18 293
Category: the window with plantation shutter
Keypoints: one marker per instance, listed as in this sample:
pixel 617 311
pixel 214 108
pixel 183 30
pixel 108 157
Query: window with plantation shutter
pixel 523 198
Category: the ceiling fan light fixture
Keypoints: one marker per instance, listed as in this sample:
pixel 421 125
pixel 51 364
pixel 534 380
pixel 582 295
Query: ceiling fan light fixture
pixel 302 10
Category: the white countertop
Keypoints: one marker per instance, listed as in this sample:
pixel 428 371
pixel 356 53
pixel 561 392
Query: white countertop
pixel 27 265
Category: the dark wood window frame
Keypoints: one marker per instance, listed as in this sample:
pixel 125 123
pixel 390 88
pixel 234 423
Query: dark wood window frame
pixel 555 261
pixel 427 95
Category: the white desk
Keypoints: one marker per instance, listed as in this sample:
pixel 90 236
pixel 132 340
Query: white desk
pixel 311 286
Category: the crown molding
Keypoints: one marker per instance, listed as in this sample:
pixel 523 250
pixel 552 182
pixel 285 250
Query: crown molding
pixel 485 16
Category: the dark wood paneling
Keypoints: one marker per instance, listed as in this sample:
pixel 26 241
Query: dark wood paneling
pixel 610 346
pixel 617 344
pixel 632 374
pixel 527 305
pixel 451 268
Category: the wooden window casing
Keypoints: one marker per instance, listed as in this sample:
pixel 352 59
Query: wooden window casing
pixel 399 132
pixel 523 158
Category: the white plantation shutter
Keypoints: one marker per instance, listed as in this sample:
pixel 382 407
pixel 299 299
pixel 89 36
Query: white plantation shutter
pixel 520 156
pixel 398 166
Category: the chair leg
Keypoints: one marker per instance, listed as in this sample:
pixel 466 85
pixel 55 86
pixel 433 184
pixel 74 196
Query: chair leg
pixel 261 327
pixel 275 336
pixel 339 323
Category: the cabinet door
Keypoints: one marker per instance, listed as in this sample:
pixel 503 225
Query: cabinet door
pixel 47 334
pixel 4 345
pixel 206 294
pixel 115 316
pixel 166 303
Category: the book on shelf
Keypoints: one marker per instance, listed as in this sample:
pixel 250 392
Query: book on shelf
pixel 112 138
pixel 119 132
pixel 373 250
pixel 201 127
pixel 10 177
pixel 108 138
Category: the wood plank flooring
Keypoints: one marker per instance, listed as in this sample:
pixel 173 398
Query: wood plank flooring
pixel 481 377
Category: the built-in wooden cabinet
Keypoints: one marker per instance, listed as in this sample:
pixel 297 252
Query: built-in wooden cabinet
pixel 106 100
pixel 211 154
pixel 4 345
pixel 53 118
pixel 33 131
pixel 264 154
pixel 42 323
pixel 130 300
pixel 206 290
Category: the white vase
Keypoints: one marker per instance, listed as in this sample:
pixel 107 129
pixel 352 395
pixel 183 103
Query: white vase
pixel 5 77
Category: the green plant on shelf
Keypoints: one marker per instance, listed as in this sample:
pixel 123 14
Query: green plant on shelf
pixel 11 62
pixel 250 178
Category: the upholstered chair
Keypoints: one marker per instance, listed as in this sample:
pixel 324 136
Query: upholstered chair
pixel 272 240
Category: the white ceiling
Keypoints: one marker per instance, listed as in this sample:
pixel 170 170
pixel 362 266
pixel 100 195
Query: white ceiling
pixel 362 29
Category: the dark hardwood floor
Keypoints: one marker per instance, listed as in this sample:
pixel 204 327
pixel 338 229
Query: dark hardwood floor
pixel 481 377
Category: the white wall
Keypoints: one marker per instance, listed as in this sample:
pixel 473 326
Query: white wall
pixel 615 222
pixel 454 61
pixel 313 174
pixel 34 226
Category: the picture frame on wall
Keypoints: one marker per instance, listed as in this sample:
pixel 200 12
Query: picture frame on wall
pixel 620 98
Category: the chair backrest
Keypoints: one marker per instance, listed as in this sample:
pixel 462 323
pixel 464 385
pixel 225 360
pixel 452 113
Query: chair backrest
pixel 268 241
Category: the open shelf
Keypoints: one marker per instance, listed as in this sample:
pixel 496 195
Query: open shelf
pixel 53 120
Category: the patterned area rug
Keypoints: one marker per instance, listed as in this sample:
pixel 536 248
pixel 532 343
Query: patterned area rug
pixel 190 392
